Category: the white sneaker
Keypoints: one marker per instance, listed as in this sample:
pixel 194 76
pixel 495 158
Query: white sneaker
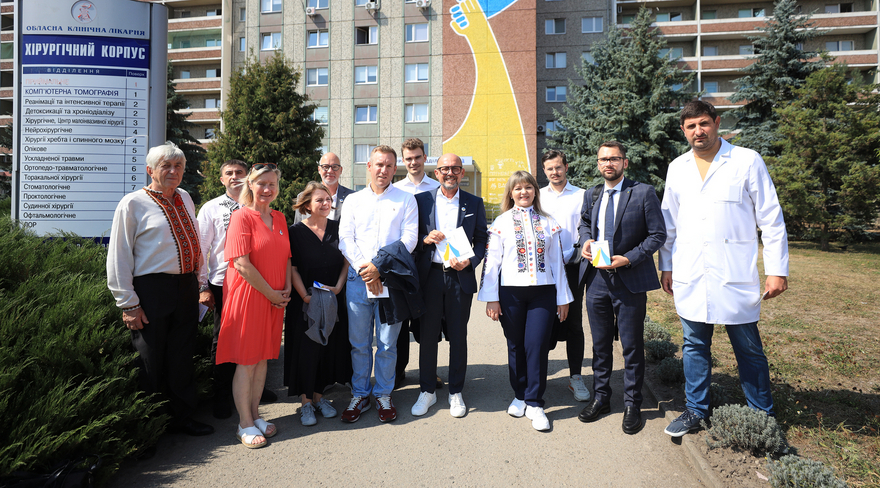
pixel 307 414
pixel 576 385
pixel 457 407
pixel 517 408
pixel 539 420
pixel 325 408
pixel 423 403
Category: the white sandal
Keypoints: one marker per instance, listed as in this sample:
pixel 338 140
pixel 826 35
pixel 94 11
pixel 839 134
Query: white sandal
pixel 247 436
pixel 264 427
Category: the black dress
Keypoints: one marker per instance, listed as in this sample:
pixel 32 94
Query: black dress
pixel 308 366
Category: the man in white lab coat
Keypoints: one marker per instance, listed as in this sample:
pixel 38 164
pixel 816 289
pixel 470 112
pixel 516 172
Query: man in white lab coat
pixel 717 196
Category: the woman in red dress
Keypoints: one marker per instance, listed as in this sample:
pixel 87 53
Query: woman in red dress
pixel 258 285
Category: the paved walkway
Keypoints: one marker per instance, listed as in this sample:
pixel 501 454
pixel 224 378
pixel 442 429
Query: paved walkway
pixel 485 448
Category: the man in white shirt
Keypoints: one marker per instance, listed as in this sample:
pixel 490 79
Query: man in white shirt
pixel 564 202
pixel 373 218
pixel 416 181
pixel 213 221
pixel 330 169
pixel 717 196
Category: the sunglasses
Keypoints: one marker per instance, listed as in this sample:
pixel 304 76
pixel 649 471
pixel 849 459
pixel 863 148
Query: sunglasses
pixel 259 166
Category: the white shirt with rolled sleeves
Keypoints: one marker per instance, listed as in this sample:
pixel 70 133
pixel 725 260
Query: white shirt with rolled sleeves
pixel 565 207
pixel 370 222
pixel 213 221
pixel 712 239
pixel 502 263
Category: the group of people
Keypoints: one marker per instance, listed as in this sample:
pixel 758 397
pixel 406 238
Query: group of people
pixel 381 262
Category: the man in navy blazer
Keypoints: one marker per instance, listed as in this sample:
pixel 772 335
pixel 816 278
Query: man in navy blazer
pixel 628 216
pixel 330 170
pixel 448 291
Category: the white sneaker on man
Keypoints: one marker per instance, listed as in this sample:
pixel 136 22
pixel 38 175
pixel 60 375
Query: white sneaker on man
pixel 577 386
pixel 457 407
pixel 423 403
pixel 517 408
pixel 538 418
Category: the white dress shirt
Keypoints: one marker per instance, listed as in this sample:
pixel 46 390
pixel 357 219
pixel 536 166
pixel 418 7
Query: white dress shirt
pixel 538 263
pixel 446 217
pixel 427 184
pixel 213 222
pixel 712 239
pixel 370 222
pixel 603 205
pixel 565 207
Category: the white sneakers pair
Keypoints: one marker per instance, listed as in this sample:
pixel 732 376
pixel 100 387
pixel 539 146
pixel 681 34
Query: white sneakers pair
pixel 457 407
pixel 518 408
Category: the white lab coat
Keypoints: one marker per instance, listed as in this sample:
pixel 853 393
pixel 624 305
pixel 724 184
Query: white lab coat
pixel 712 239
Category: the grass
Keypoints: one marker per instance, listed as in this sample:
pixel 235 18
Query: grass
pixel 820 338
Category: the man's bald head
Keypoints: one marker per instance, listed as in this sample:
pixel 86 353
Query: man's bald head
pixel 330 169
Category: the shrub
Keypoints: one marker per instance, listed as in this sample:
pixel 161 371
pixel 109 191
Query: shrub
pixel 658 350
pixel 671 371
pixel 740 427
pixel 718 396
pixel 796 472
pixel 655 331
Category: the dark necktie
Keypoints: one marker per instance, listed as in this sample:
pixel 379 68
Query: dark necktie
pixel 609 221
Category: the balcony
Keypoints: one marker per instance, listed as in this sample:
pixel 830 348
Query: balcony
pixel 197 85
pixel 201 115
pixel 195 23
pixel 195 55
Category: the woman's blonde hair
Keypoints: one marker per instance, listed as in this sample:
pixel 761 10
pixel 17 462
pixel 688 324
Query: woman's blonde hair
pixel 521 177
pixel 304 200
pixel 247 195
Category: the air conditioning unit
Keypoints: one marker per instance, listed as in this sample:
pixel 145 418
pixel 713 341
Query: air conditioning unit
pixel 311 11
pixel 423 4
pixel 372 6
pixel 540 128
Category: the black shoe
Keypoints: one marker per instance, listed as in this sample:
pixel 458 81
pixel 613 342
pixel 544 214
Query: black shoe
pixel 193 428
pixel 591 412
pixel 399 378
pixel 632 419
pixel 440 383
pixel 222 407
pixel 268 396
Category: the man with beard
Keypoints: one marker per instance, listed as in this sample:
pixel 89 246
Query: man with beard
pixel 628 217
pixel 448 291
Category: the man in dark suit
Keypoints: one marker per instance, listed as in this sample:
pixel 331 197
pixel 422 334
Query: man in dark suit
pixel 628 216
pixel 330 170
pixel 448 291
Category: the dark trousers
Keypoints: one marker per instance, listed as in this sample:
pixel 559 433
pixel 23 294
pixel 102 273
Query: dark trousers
pixel 444 300
pixel 607 297
pixel 224 372
pixel 527 318
pixel 308 363
pixel 166 344
pixel 403 347
pixel 572 329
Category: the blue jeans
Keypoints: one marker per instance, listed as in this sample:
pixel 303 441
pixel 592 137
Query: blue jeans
pixel 363 312
pixel 754 372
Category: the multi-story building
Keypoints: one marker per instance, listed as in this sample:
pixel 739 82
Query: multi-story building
pixel 480 78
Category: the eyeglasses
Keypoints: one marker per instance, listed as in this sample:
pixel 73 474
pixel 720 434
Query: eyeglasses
pixel 456 170
pixel 613 160
pixel 259 166
pixel 330 167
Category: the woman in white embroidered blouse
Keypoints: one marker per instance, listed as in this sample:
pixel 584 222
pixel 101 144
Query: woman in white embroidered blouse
pixel 524 284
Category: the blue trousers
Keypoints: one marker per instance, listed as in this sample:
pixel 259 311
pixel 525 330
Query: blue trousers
pixel 527 314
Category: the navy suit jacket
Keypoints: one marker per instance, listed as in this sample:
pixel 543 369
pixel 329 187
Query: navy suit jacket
pixel 639 231
pixel 471 216
pixel 341 193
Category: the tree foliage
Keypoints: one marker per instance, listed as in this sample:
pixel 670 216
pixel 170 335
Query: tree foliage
pixel 177 131
pixel 631 94
pixel 6 135
pixel 781 66
pixel 267 121
pixel 827 175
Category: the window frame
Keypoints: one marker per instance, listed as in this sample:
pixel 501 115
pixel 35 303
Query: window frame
pixel 317 76
pixel 215 101
pixel 410 115
pixel 319 33
pixel 713 48
pixel 367 82
pixel 372 35
pixel 318 3
pixel 215 70
pixel 706 86
pixel 326 118
pixel 271 4
pixel 407 79
pixel 554 56
pixel 587 56
pixel 593 20
pixel 270 35
pixel 242 14
pixel 556 94
pixel 372 112
pixel 553 22
pixel 242 44
pixel 411 31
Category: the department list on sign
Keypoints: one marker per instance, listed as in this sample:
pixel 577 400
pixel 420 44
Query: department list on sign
pixel 83 145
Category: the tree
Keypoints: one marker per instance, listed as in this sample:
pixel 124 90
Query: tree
pixel 631 94
pixel 827 175
pixel 781 65
pixel 177 131
pixel 267 121
pixel 6 135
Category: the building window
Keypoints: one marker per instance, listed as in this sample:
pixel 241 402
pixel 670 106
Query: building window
pixel 555 60
pixel 212 103
pixel 554 26
pixel 416 112
pixel 839 46
pixel 319 38
pixel 672 53
pixel 556 93
pixel 320 115
pixel 417 33
pixel 210 134
pixel 366 35
pixel 552 126
pixel 669 17
pixel 710 86
pixel 676 86
pixel 242 44
pixel 365 114
pixel 750 12
pixel 316 77
pixel 416 73
pixel 587 57
pixel 185 74
pixel 271 41
pixel 185 14
pixel 362 153
pixel 590 24
pixel 242 15
pixel 212 73
pixel 214 12
pixel 710 15
pixel 364 75
pixel 839 8
pixel 212 42
pixel 271 5
pixel 710 50
pixel 746 50
pixel 360 3
pixel 319 3
pixel 627 19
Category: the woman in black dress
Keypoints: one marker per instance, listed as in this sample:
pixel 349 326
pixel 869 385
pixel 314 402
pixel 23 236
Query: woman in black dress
pixel 309 365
